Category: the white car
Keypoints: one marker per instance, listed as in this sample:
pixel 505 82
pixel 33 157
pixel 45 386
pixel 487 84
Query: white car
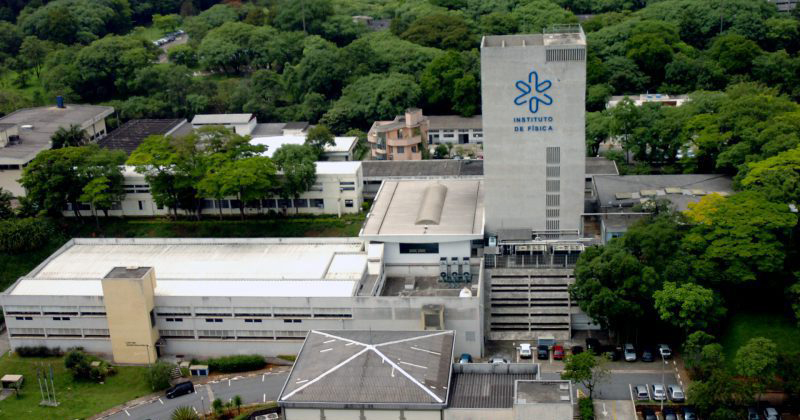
pixel 676 393
pixel 665 351
pixel 659 393
pixel 630 353
pixel 525 351
pixel 498 361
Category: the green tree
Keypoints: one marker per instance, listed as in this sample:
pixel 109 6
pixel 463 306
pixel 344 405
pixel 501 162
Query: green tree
pixel 734 53
pixel 742 239
pixel 320 70
pixel 166 23
pixel 498 23
pixel 218 406
pixel 598 130
pixel 305 15
pixel 370 98
pixel 237 401
pixel 693 348
pixel 444 31
pixel 450 83
pixel 32 52
pixel 71 136
pixel 184 412
pixel 585 369
pixel 778 177
pixel 248 179
pixel 318 138
pixel 69 21
pixel 298 171
pixel 6 210
pixel 101 194
pixel 362 146
pixel 717 396
pixel 536 15
pixel 757 361
pixel 183 55
pixel 688 306
pixel 158 375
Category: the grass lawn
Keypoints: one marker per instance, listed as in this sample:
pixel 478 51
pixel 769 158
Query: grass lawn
pixel 78 399
pixel 775 326
pixel 149 33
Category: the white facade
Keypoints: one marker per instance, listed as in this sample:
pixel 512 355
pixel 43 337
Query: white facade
pixel 533 119
pixel 241 124
pixel 341 150
pixel 338 190
pixel 296 283
pixel 455 129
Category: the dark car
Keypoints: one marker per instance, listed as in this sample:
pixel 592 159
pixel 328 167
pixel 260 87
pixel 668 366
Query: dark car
pixel 543 352
pixel 689 413
pixel 182 388
pixel 593 345
pixel 752 414
pixel 576 350
pixel 669 414
pixel 648 414
pixel 648 354
pixel 613 353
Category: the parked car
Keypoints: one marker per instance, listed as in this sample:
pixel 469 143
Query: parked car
pixel 669 414
pixel 665 351
pixel 770 413
pixel 641 392
pixel 465 358
pixel 630 353
pixel 543 352
pixel 525 351
pixel 689 413
pixel 182 388
pixel 675 393
pixel 614 353
pixel 649 414
pixel 576 350
pixel 648 354
pixel 558 353
pixel 593 345
pixel 497 360
pixel 752 414
pixel 659 394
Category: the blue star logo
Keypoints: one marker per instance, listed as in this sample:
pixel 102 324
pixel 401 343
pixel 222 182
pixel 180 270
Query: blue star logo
pixel 533 87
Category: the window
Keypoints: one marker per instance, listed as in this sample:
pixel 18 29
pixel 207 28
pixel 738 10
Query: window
pixel 136 189
pixel 116 205
pixel 141 205
pixel 251 320
pixel 176 333
pixel 223 334
pixel 432 248
pixel 400 134
pixel 318 203
pixel 552 213
pixel 212 320
pixel 269 203
pixel 553 185
pixel 208 204
pixel 24 318
pixel 174 319
pixel 301 202
pixel 553 171
pixel 95 332
pixel 552 200
pixel 316 187
pixel 61 318
pixel 401 149
pixel 348 203
pixel 284 203
pixel 413 149
pixel 292 321
pixel 347 186
pixel 553 155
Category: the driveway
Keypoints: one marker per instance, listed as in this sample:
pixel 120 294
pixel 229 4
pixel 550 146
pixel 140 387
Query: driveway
pixel 253 389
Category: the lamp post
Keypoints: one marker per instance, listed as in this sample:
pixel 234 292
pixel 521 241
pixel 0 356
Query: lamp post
pixel 203 404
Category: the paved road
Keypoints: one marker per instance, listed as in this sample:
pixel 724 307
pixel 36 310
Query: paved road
pixel 252 389
pixel 614 410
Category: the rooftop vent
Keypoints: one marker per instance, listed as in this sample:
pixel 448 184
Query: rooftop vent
pixel 430 209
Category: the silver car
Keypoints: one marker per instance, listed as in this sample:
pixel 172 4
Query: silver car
pixel 630 353
pixel 641 392
pixel 676 393
pixel 659 394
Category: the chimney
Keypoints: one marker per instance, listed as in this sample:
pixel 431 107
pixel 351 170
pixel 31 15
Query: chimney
pixel 60 101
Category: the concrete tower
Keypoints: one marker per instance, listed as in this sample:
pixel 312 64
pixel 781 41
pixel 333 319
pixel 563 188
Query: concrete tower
pixel 533 89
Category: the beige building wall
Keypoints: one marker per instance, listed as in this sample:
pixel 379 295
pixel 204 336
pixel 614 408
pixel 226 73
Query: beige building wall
pixel 128 298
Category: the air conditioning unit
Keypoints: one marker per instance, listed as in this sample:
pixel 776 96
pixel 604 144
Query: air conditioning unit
pixel 443 272
pixel 454 269
pixel 466 275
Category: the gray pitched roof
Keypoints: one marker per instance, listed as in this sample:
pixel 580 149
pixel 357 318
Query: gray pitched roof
pixel 131 134
pixel 391 369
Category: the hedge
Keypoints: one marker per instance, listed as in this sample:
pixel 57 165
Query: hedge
pixel 38 351
pixel 20 235
pixel 231 364
pixel 586 408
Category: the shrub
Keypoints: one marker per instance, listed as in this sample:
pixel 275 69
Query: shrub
pixel 20 235
pixel 240 363
pixel 39 351
pixel 158 375
pixel 586 408
pixel 184 412
pixel 289 357
pixel 79 363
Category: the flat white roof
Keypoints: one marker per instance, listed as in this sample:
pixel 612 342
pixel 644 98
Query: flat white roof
pixel 304 267
pixel 425 208
pixel 338 168
pixel 222 118
pixel 273 143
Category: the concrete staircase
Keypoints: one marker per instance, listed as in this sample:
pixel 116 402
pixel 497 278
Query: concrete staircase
pixel 526 303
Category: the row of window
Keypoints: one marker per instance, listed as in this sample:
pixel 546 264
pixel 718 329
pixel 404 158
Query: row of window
pixel 233 334
pixel 58 332
pixel 65 310
pixel 255 316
